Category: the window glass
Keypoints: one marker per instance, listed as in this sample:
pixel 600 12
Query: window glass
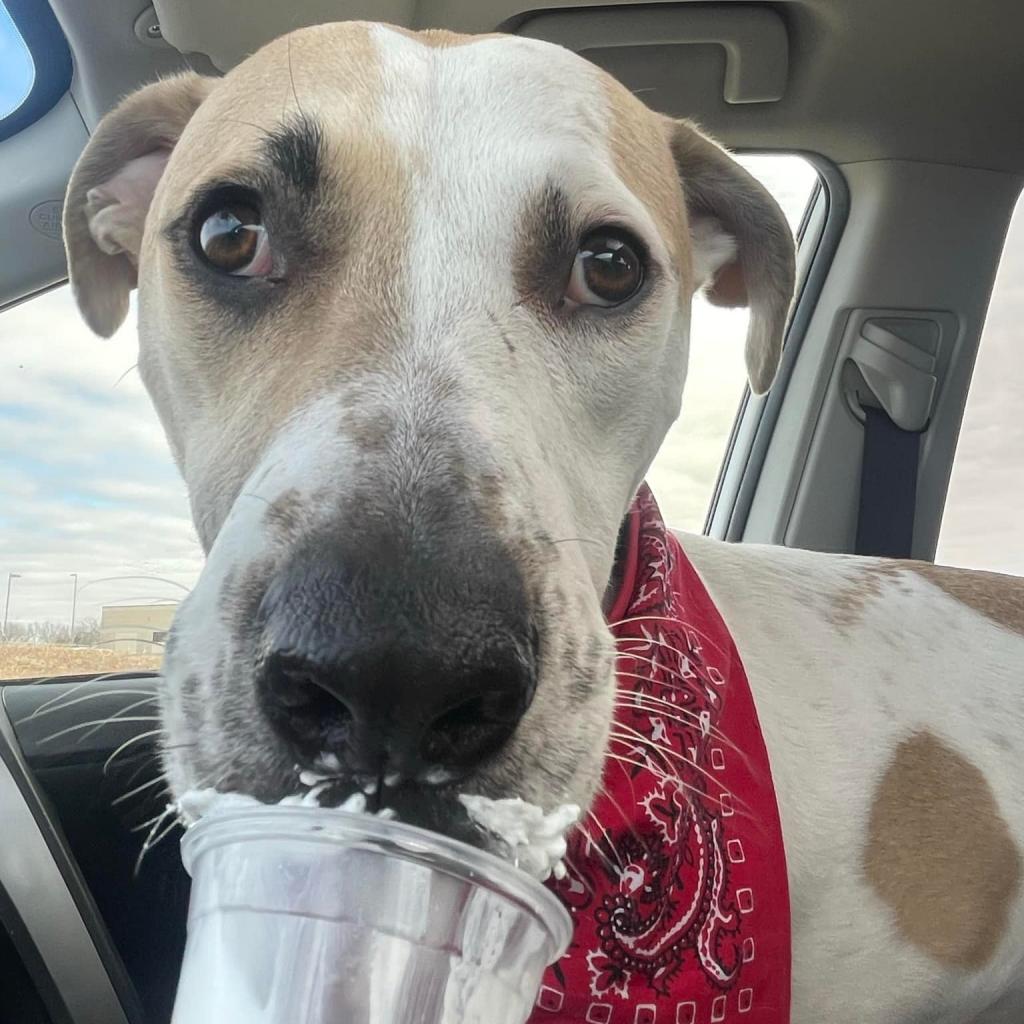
pixel 17 72
pixel 981 523
pixel 686 469
pixel 96 544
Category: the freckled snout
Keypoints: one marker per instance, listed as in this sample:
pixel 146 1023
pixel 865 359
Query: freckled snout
pixel 397 658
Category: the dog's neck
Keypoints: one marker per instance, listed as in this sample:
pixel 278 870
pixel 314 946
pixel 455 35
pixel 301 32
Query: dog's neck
pixel 615 580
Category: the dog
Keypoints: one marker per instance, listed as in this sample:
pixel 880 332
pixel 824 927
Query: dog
pixel 413 310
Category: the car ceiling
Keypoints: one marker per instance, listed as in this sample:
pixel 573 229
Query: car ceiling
pixel 926 80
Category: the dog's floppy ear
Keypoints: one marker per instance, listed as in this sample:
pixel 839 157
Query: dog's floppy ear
pixel 743 249
pixel 111 188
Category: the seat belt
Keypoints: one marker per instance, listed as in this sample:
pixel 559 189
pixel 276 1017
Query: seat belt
pixel 891 379
pixel 888 487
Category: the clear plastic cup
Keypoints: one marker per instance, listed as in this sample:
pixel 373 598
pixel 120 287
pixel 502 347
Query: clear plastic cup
pixel 304 915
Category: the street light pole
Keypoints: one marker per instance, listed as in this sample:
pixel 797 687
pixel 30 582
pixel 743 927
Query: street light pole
pixel 7 602
pixel 74 603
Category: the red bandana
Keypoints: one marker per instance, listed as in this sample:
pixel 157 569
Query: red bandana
pixel 678 889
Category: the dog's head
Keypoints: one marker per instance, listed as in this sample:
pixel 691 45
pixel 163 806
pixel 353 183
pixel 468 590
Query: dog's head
pixel 413 310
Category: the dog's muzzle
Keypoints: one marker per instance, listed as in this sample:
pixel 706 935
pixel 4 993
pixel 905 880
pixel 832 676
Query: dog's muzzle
pixel 396 658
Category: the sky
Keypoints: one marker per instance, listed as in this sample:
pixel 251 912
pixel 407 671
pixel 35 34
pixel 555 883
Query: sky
pixel 87 484
pixel 18 72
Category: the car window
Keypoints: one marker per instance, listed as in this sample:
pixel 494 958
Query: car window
pixel 96 544
pixel 981 523
pixel 18 68
pixel 686 468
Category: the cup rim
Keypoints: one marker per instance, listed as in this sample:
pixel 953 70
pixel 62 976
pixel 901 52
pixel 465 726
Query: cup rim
pixel 329 825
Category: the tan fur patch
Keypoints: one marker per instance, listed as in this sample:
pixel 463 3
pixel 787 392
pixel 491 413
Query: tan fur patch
pixel 998 597
pixel 644 163
pixel 441 38
pixel 848 604
pixel 940 855
pixel 285 514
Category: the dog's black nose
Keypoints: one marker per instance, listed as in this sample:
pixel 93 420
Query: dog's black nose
pixel 396 661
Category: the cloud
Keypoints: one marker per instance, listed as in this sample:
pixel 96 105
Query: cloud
pixel 88 485
pixel 981 526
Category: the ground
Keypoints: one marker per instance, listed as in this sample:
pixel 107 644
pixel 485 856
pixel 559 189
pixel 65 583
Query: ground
pixel 23 661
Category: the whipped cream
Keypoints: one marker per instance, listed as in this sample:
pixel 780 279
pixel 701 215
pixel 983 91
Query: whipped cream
pixel 530 837
pixel 534 840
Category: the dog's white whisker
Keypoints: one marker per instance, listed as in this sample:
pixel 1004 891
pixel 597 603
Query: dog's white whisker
pixel 675 713
pixel 152 842
pixel 642 640
pixel 682 717
pixel 674 673
pixel 660 773
pixel 580 877
pixel 646 766
pixel 91 681
pixel 736 806
pixel 130 742
pixel 687 720
pixel 667 752
pixel 122 716
pixel 626 819
pixel 97 723
pixel 594 846
pixel 607 838
pixel 137 789
pixel 633 738
pixel 148 823
pixel 681 684
pixel 50 707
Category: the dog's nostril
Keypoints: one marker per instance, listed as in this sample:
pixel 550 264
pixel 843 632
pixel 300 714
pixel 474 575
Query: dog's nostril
pixel 297 690
pixel 301 704
pixel 472 729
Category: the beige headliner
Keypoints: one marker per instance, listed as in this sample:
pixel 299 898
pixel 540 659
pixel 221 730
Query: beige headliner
pixel 936 80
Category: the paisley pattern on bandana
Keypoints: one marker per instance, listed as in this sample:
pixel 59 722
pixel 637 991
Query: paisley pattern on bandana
pixel 677 879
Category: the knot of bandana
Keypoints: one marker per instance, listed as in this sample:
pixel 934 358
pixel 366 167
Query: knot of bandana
pixel 677 877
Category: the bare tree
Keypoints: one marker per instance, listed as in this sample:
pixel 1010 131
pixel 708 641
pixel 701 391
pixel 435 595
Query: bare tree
pixel 87 633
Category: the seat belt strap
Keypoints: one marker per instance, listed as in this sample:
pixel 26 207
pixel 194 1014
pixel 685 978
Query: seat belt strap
pixel 888 487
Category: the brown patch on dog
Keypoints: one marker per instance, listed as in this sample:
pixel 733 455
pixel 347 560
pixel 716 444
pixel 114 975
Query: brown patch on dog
pixel 644 163
pixel 1000 598
pixel 940 855
pixel 442 38
pixel 545 250
pixel 849 603
pixel 284 515
pixel 369 430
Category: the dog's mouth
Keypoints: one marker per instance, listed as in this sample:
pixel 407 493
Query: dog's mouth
pixel 533 839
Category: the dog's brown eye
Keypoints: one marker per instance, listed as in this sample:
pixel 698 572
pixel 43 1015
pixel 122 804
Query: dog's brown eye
pixel 607 271
pixel 233 240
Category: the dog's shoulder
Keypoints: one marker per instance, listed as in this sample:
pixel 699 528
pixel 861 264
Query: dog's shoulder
pixel 845 587
pixel 997 596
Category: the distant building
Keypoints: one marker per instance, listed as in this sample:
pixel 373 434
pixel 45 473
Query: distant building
pixel 136 628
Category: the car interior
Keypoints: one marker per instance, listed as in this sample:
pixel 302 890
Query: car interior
pixel 910 113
